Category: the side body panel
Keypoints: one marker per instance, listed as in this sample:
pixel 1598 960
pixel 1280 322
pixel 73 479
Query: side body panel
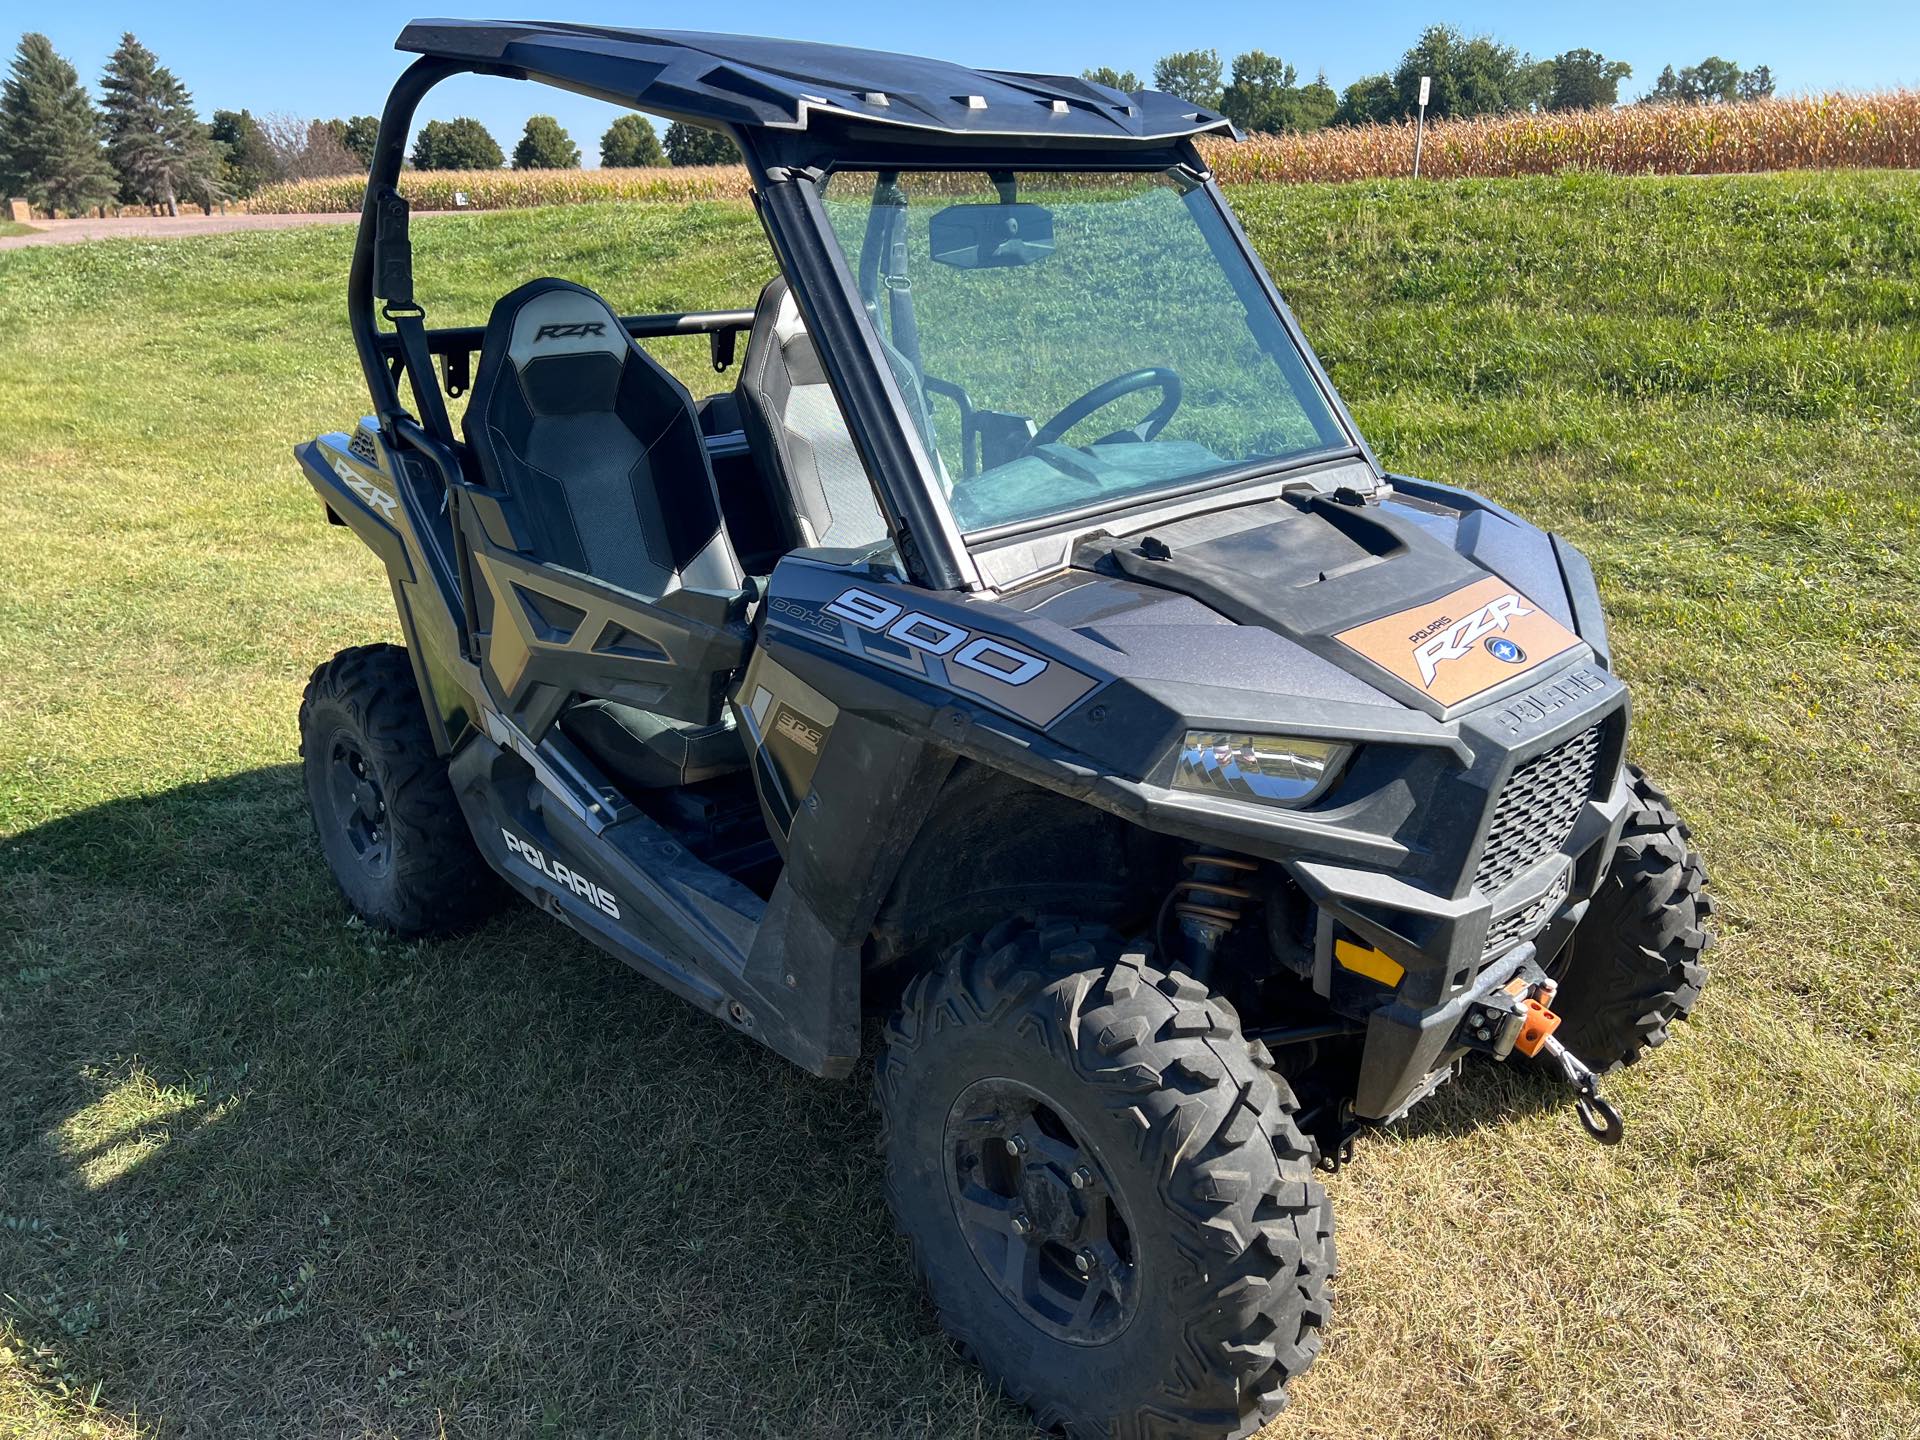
pixel 392 505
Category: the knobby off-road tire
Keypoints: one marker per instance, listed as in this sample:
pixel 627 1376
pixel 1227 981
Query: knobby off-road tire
pixel 382 806
pixel 1186 1129
pixel 1633 966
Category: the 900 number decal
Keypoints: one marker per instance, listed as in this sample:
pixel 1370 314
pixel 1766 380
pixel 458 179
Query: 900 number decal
pixel 958 646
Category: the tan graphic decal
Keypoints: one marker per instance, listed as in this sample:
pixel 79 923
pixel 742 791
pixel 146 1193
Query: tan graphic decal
pixel 1455 647
pixel 806 736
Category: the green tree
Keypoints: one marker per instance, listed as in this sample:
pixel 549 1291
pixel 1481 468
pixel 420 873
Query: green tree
pixel 1257 97
pixel 1314 105
pixel 461 144
pixel 630 143
pixel 1713 81
pixel 1263 96
pixel 1585 80
pixel 545 146
pixel 359 135
pixel 51 149
pixel 157 144
pixel 1370 100
pixel 248 155
pixel 697 145
pixel 1124 81
pixel 1471 76
pixel 1193 75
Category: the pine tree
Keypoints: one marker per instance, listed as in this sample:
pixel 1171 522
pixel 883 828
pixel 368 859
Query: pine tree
pixel 50 134
pixel 157 143
pixel 249 156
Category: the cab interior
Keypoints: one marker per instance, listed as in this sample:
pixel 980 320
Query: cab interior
pixel 601 462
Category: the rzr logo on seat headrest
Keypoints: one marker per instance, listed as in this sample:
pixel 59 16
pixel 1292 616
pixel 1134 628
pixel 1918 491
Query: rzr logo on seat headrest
pixel 568 332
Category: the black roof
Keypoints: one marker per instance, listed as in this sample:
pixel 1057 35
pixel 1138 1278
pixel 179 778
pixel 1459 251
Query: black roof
pixel 744 80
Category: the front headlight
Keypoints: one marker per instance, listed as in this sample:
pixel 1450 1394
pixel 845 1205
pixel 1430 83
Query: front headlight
pixel 1279 769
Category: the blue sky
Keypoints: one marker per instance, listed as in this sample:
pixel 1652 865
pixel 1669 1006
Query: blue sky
pixel 337 58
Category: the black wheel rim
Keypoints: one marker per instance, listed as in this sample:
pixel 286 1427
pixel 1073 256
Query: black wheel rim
pixel 359 805
pixel 1039 1213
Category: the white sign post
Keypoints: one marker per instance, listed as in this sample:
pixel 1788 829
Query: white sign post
pixel 1420 123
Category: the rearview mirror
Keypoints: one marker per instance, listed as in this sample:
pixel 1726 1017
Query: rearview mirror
pixel 986 237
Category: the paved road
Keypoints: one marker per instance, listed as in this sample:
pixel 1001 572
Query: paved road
pixel 64 232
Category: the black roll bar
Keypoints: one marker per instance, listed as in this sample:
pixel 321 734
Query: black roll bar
pixel 930 547
pixel 382 352
pixel 456 344
pixel 465 339
pixel 389 153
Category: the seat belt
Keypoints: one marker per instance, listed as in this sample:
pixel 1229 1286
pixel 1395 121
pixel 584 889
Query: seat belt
pixel 393 283
pixel 410 324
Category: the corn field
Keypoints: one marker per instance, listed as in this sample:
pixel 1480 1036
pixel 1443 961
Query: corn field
pixel 508 189
pixel 1824 132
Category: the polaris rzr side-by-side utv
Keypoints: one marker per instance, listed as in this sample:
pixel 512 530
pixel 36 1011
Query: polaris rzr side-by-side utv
pixel 1028 649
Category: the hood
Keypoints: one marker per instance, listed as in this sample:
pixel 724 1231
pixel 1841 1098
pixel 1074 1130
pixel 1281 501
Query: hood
pixel 1438 609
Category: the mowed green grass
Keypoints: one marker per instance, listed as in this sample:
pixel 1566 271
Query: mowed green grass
pixel 264 1173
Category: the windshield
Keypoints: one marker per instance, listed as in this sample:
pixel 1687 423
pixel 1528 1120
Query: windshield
pixel 1068 341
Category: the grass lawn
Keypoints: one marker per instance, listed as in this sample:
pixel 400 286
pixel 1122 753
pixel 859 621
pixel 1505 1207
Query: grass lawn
pixel 10 228
pixel 265 1173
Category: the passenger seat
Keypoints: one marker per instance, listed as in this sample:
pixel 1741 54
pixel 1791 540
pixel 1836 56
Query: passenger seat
pixel 815 481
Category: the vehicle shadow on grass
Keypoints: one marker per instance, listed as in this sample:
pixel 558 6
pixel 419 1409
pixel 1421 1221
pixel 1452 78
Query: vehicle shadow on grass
pixel 1486 1094
pixel 264 1172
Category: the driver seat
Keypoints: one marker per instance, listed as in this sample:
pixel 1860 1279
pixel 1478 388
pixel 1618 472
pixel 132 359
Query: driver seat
pixel 816 485
pixel 599 449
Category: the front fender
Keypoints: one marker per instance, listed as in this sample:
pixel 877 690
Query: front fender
pixel 360 495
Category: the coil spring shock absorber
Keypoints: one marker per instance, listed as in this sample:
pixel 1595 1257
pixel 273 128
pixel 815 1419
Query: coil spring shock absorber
pixel 1209 903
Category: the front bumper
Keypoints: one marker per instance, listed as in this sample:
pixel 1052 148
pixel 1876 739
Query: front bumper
pixel 1460 861
pixel 1409 1047
pixel 1454 950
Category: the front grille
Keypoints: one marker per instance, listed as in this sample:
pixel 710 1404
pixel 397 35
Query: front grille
pixel 1510 930
pixel 1535 812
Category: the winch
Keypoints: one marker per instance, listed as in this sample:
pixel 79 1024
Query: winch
pixel 1518 1018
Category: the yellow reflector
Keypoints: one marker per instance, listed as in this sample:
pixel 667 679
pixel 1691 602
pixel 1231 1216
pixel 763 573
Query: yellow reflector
pixel 1364 960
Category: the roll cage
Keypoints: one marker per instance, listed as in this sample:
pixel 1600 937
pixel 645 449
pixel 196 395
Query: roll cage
pixel 797 112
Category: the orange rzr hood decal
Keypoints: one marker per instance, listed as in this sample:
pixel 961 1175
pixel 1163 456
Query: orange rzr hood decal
pixel 1463 643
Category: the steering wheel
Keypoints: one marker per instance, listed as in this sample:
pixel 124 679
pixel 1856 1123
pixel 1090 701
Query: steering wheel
pixel 1154 377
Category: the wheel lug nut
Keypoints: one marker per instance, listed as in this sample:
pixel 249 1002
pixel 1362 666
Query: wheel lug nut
pixel 1021 1225
pixel 1083 1262
pixel 1082 1178
pixel 1016 1145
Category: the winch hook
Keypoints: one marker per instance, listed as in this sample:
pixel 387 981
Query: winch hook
pixel 1598 1118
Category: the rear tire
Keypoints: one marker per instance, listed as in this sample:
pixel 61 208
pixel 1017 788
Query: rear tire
pixel 382 807
pixel 1633 966
pixel 1143 1135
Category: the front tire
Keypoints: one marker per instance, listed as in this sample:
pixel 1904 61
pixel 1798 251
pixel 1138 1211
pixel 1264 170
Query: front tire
pixel 382 805
pixel 1633 965
pixel 1103 1185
